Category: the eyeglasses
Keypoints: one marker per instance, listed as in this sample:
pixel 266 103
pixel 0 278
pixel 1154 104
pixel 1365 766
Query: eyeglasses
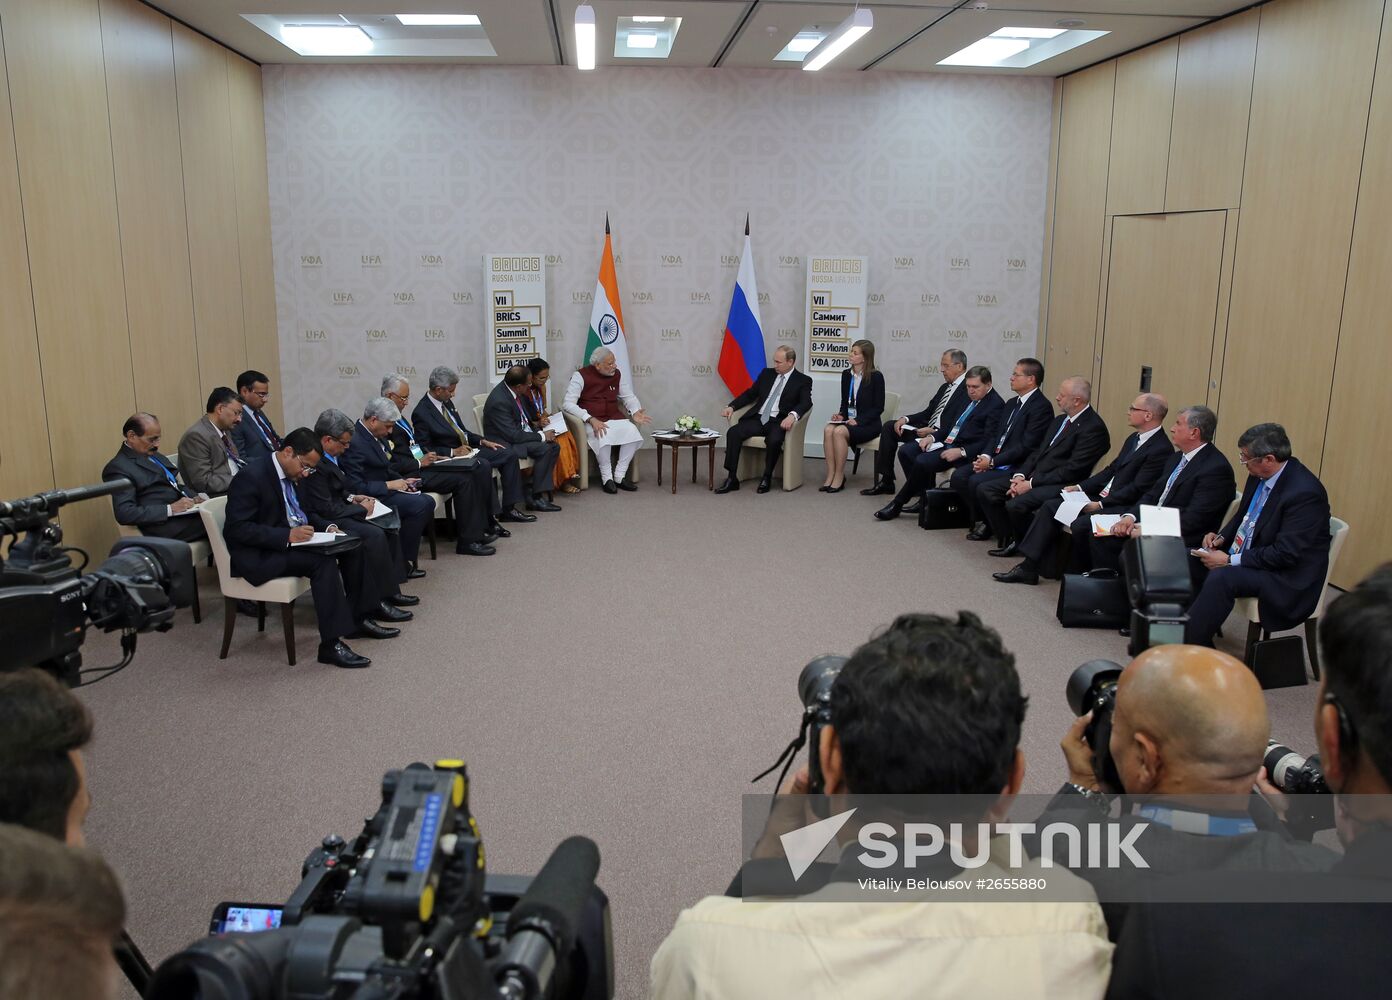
pixel 263 395
pixel 1248 461
pixel 1138 409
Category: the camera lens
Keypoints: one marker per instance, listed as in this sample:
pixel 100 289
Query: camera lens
pixel 816 679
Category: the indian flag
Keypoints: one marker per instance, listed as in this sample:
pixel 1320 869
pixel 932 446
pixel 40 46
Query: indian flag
pixel 606 319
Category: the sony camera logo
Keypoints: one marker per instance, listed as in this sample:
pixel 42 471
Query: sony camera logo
pixel 311 260
pixel 960 263
pixel 434 334
pixel 403 298
pixel 431 260
pixel 930 299
pixel 343 298
pixel 371 260
pixel 900 335
pixel 312 336
pixel 702 371
pixel 376 335
pixel 348 371
pixel 671 260
pixel 1014 263
pixel 463 298
pixel 700 298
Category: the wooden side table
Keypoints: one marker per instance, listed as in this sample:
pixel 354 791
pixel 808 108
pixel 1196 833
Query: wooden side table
pixel 676 442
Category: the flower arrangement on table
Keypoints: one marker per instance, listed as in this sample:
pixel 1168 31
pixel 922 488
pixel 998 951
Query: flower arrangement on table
pixel 687 425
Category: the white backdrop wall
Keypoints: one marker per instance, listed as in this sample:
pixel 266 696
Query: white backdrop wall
pixel 389 183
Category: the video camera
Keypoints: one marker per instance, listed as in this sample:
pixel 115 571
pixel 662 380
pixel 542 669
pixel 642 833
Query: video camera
pixel 1159 588
pixel 406 910
pixel 46 604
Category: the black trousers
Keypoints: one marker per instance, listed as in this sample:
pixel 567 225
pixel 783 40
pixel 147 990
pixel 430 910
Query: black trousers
pixel 1009 517
pixel 471 489
pixel 922 472
pixel 185 527
pixel 505 461
pixel 543 455
pixel 415 511
pixel 331 605
pixel 382 564
pixel 968 487
pixel 889 444
pixel 1217 595
pixel 1041 539
pixel 747 427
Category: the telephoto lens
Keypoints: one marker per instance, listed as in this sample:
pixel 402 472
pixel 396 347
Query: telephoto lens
pixel 1092 688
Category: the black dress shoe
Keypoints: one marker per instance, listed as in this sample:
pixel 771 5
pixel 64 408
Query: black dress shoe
pixel 488 538
pixel 836 489
pixel 403 600
pixel 764 486
pixel 337 654
pixel 888 512
pixel 385 612
pixel 1005 551
pixel 914 507
pixel 542 505
pixel 981 532
pixel 728 486
pixel 824 489
pixel 248 608
pixel 610 487
pixel 474 549
pixel 369 629
pixel 882 487
pixel 414 574
pixel 628 487
pixel 1017 574
pixel 499 530
pixel 516 515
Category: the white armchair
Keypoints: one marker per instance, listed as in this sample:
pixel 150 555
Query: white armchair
pixel 752 464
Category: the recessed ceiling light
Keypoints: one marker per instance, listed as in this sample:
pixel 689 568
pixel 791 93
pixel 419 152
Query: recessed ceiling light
pixel 847 33
pixel 584 36
pixel 425 20
pixel 804 42
pixel 642 39
pixel 987 52
pixel 648 19
pixel 326 39
pixel 800 44
pixel 645 37
pixel 1028 32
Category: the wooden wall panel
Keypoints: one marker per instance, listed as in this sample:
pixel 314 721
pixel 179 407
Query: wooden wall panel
pixel 1046 258
pixel 205 130
pixel 1360 409
pixel 1304 152
pixel 1079 210
pixel 26 467
pixel 254 224
pixel 1145 88
pixel 139 58
pixel 63 142
pixel 1213 94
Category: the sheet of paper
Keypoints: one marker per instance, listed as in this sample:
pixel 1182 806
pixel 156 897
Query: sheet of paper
pixel 320 538
pixel 910 427
pixel 1072 506
pixel 933 447
pixel 1102 524
pixel 379 509
pixel 454 458
pixel 181 513
pixel 1160 520
pixel 556 423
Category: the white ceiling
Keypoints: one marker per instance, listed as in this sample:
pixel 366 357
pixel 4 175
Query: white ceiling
pixel 909 35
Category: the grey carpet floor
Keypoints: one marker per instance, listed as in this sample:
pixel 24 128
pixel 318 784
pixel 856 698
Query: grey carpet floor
pixel 620 670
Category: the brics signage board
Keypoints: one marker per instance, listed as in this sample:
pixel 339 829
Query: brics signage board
pixel 836 300
pixel 516 309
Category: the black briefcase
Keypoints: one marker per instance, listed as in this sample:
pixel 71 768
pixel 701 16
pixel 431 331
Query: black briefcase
pixel 1095 599
pixel 942 509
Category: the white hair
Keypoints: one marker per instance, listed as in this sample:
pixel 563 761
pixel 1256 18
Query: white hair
pixel 599 354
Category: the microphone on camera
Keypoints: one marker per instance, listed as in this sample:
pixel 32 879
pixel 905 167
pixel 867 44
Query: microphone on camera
pixel 542 926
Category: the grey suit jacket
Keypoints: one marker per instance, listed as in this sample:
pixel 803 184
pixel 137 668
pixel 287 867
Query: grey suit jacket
pixel 203 460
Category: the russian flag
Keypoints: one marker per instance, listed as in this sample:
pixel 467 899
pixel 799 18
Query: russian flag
pixel 742 355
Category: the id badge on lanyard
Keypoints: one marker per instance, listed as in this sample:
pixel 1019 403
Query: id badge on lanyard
pixel 418 452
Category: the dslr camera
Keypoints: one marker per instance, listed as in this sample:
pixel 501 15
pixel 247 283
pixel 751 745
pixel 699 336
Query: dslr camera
pixel 406 910
pixel 814 691
pixel 1092 688
pixel 46 604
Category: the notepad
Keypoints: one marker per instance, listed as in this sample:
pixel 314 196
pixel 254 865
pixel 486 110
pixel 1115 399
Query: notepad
pixel 1160 520
pixel 379 509
pixel 320 538
pixel 1072 506
pixel 1102 524
pixel 556 423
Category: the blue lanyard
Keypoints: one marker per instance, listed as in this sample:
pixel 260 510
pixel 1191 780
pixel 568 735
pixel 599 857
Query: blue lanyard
pixel 1198 823
pixel 1249 522
pixel 167 473
pixel 407 428
pixel 952 435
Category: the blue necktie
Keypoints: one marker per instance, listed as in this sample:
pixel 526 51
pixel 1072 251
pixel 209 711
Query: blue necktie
pixel 1173 476
pixel 1059 433
pixel 292 503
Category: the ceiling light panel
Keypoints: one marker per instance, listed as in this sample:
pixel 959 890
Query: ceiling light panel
pixel 438 20
pixel 326 39
pixel 645 37
pixel 1001 49
pixel 800 44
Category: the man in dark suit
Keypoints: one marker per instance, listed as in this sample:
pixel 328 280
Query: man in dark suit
pixel 467 481
pixel 931 422
pixel 332 506
pixel 1072 445
pixel 507 418
pixel 254 436
pixel 963 438
pixel 1275 548
pixel 1020 429
pixel 159 504
pixel 781 396
pixel 1336 951
pixel 1197 480
pixel 265 519
pixel 440 429
pixel 367 463
pixel 1122 482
